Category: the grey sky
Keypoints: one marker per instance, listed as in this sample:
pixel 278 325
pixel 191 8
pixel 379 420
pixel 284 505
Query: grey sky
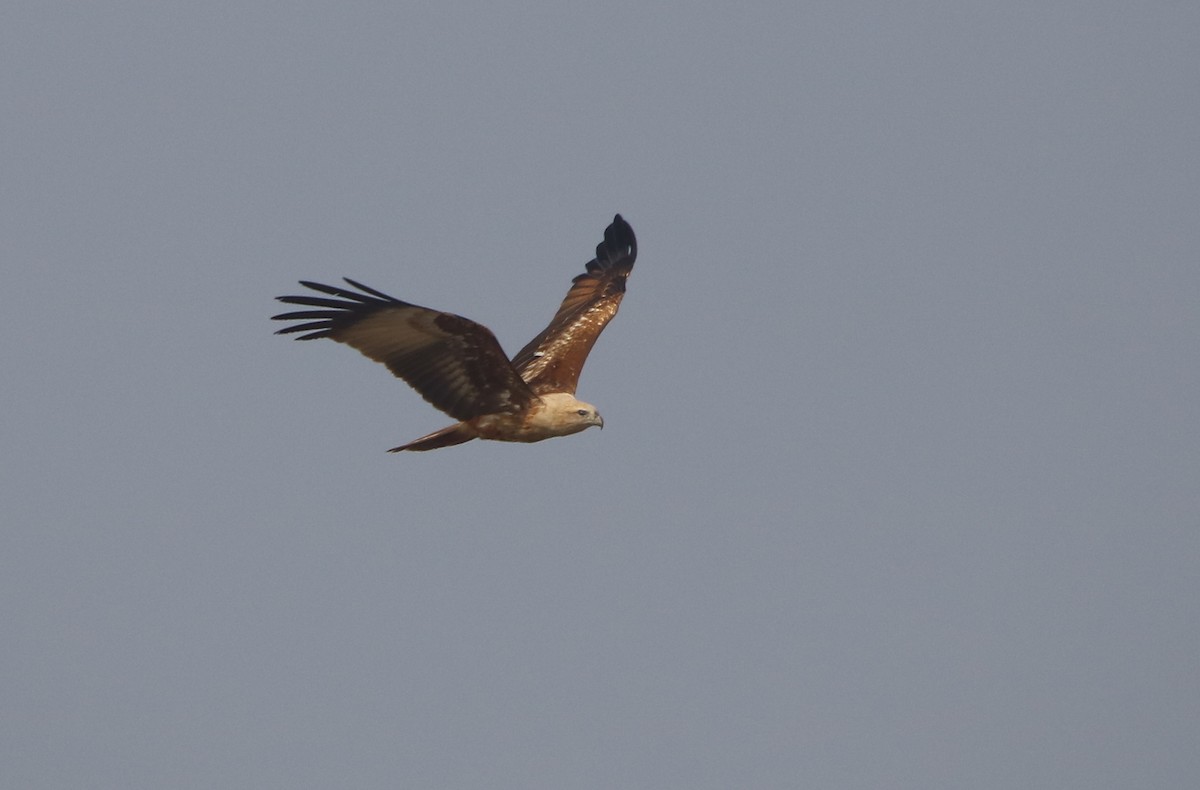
pixel 898 485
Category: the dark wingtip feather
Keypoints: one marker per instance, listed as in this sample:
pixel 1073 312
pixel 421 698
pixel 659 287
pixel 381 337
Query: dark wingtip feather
pixel 618 248
pixel 372 291
pixel 348 307
pixel 316 330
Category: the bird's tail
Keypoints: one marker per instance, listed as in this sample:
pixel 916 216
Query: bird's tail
pixel 445 437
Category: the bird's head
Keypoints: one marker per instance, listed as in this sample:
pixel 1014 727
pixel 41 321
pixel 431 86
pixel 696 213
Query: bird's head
pixel 564 414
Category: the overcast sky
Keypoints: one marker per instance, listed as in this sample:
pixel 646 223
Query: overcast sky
pixel 900 480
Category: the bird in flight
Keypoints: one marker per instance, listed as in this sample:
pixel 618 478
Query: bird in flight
pixel 458 365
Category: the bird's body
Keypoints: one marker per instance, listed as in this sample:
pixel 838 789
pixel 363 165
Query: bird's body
pixel 458 365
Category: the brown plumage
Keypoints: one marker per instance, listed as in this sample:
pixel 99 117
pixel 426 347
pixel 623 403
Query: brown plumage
pixel 458 365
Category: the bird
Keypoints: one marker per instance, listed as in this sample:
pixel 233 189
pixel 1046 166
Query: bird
pixel 459 367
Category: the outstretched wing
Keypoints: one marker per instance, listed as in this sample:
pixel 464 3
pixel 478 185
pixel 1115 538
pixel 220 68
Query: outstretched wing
pixel 455 363
pixel 553 360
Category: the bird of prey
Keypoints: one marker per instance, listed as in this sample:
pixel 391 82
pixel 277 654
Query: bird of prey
pixel 458 365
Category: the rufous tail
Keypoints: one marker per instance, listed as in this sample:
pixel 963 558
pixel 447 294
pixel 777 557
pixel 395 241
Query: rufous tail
pixel 445 437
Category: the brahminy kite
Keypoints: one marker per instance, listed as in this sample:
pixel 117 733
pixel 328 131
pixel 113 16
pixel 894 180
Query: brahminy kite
pixel 458 365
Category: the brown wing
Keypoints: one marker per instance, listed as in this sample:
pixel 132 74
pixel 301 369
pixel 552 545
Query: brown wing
pixel 455 363
pixel 553 360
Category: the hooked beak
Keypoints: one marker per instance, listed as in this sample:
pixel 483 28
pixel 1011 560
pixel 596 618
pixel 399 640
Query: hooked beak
pixel 600 421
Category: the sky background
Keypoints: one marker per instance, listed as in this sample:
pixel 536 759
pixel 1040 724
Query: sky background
pixel 900 480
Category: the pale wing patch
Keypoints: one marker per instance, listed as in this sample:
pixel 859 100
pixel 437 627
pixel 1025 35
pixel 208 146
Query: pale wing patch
pixel 454 363
pixel 393 333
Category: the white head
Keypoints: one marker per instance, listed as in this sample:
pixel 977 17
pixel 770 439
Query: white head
pixel 564 414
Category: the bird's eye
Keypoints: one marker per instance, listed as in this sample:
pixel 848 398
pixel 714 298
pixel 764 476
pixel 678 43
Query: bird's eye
pixel 582 412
